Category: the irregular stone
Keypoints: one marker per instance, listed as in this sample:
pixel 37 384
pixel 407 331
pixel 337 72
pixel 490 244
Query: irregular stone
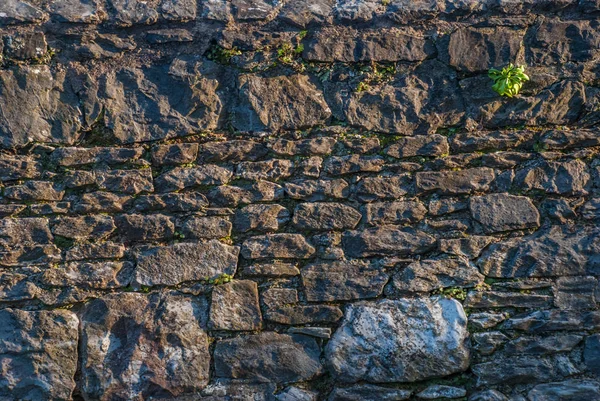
pixel 94 227
pixel 440 207
pixel 275 169
pixel 261 217
pixel 275 269
pixel 342 281
pixel 178 153
pixel 174 202
pixel 206 227
pixel 568 390
pixel 104 250
pixel 259 191
pixel 55 117
pixel 248 10
pixel 18 12
pixel 436 391
pixel 17 285
pixel 231 151
pixel 553 251
pixel 400 212
pixel 38 354
pixel 50 208
pixel 26 45
pixel 347 45
pixel 35 191
pixel 318 332
pixel 127 14
pixel 76 11
pixel 340 165
pixel 565 178
pixel 496 140
pixel 369 392
pixel 305 147
pixel 99 275
pixel 559 42
pixel 504 212
pixel 19 167
pixel 558 139
pixel 304 314
pixel 384 187
pixel 524 370
pixel 24 232
pixel 27 255
pixel 273 103
pixel 268 357
pixel 283 246
pixel 100 202
pixel 302 13
pixel 232 390
pixel 171 265
pixel 317 190
pixel 553 320
pixel 542 346
pixel 590 210
pixel 178 10
pixel 431 274
pixel 136 227
pixel 11 210
pixel 325 216
pixel 235 307
pixel 575 292
pixel 488 342
pixel 478 49
pixel 485 320
pixel 420 145
pixel 488 395
pixel 161 101
pixel 73 156
pixel 456 182
pixel 164 335
pixel 399 341
pixel 169 36
pixel 388 240
pixel 591 353
pixel 182 177
pixel 416 103
pixel 296 394
pixel 497 299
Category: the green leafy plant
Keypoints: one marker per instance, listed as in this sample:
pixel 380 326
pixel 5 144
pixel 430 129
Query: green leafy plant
pixel 509 80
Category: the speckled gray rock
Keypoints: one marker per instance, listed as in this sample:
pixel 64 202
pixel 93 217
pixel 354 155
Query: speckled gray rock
pixel 554 251
pixel 235 307
pixel 369 392
pixel 503 212
pixel 285 246
pixel 325 216
pixel 268 357
pixel 400 341
pixel 38 354
pixel 569 390
pixel 430 274
pixel 171 265
pixel 337 281
pixel 387 240
pixel 118 332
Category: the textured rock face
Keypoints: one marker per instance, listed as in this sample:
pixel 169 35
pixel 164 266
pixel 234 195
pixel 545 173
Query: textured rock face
pixel 400 341
pixel 137 346
pixel 186 261
pixel 38 354
pixel 194 193
pixel 268 357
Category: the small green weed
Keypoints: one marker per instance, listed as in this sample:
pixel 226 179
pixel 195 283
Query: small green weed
pixel 509 80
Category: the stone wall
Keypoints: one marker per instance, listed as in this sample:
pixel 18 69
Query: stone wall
pixel 299 200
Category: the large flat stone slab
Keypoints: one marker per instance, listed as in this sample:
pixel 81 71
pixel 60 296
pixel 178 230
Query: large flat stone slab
pixel 403 340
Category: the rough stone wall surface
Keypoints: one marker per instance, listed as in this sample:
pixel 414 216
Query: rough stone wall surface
pixel 299 200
